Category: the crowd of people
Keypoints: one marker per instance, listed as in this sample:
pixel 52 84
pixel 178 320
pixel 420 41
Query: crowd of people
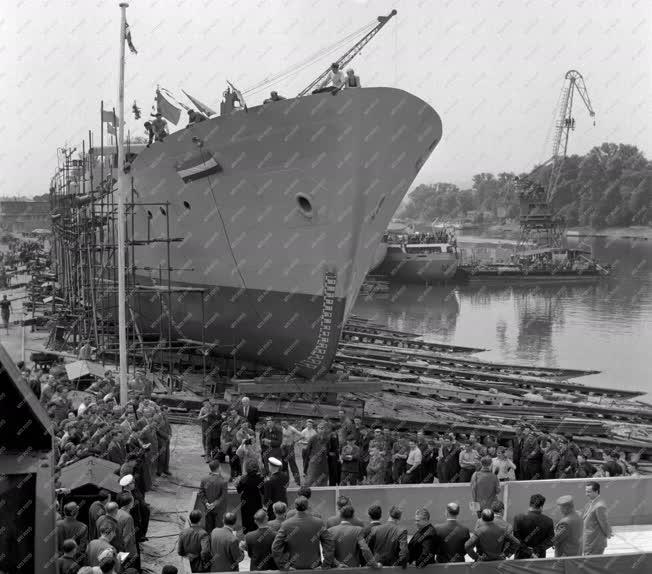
pixel 275 539
pixel 350 452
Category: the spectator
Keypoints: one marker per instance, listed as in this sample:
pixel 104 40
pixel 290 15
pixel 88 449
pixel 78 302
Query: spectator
pixel 486 543
pixel 127 527
pixel 290 436
pixel 302 540
pixel 275 487
pixel 306 492
pixel 343 502
pixel 469 462
pixel 212 493
pixel 568 531
pixel 259 544
pixel 225 550
pixel 271 438
pixel 534 530
pixel 611 467
pixel 584 468
pixel 194 543
pixel 485 486
pixel 375 513
pixel 423 544
pixel 280 511
pixel 71 528
pixel 388 542
pixel 67 563
pixel 503 467
pixel 413 472
pixel 350 459
pixel 306 434
pixel 250 488
pixel 350 547
pixel 317 473
pixel 96 510
pixel 596 523
pixel 104 542
pixel 451 536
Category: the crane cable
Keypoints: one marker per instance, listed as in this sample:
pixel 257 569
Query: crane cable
pixel 309 60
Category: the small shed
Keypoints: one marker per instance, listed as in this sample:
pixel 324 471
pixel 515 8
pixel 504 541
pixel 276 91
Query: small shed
pixel 27 512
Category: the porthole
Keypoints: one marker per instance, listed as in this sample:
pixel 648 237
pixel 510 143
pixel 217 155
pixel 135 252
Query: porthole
pixel 186 205
pixel 150 215
pixel 304 205
pixel 162 210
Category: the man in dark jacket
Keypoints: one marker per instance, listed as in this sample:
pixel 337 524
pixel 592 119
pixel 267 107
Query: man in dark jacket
pixel 342 501
pixel 248 412
pixel 194 543
pixel 212 493
pixel 451 536
pixel 388 542
pixel 96 510
pixel 259 544
pixel 302 540
pixel 487 543
pixel 534 530
pixel 271 439
pixel 423 544
pixel 351 549
pixel 69 527
pixel 275 487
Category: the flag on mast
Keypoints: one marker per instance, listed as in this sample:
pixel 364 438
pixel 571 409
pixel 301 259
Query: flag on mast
pixel 203 108
pixel 110 129
pixel 168 110
pixel 238 93
pixel 132 49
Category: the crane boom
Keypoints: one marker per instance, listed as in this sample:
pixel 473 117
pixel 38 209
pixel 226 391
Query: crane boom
pixel 350 53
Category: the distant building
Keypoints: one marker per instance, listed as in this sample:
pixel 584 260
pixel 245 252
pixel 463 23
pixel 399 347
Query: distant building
pixel 24 216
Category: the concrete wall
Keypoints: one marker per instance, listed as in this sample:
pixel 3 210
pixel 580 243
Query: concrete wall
pixel 629 499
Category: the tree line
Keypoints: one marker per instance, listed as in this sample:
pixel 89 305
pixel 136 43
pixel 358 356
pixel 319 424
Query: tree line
pixel 609 186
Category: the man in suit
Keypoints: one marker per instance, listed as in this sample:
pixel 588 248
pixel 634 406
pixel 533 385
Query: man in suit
pixel 194 543
pixel 70 527
pixel 375 513
pixel 568 531
pixel 250 413
pixel 212 493
pixel 99 545
pixel 225 550
pixel 306 492
pixel 487 543
pixel 259 544
pixel 423 545
pixel 596 523
pixel 342 502
pixel 350 545
pixel 451 536
pixel 275 487
pixel 111 516
pixel 96 510
pixel 126 524
pixel 534 530
pixel 280 511
pixel 298 541
pixel 388 542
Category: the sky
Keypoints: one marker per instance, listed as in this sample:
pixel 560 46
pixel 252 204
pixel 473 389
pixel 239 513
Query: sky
pixel 492 69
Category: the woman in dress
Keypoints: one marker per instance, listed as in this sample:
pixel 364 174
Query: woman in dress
pixel 250 487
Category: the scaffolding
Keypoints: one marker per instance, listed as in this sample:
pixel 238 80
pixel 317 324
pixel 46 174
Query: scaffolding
pixel 84 253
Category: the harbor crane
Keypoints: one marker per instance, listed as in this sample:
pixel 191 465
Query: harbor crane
pixel 350 53
pixel 539 224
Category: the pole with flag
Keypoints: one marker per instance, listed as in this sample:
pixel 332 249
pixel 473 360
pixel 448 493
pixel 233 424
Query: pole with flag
pixel 123 182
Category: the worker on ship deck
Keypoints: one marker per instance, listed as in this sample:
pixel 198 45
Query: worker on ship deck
pixel 352 81
pixel 195 117
pixel 273 97
pixel 159 127
pixel 335 78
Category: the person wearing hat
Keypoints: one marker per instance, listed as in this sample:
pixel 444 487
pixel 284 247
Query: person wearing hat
pixel 160 127
pixel 568 530
pixel 275 488
pixel 71 528
pixel 195 117
pixel 140 510
pixel 334 79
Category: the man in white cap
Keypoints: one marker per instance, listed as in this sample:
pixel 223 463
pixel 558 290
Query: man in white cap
pixel 140 509
pixel 275 488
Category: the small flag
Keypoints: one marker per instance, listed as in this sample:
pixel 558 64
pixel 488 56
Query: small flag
pixel 132 49
pixel 197 168
pixel 203 108
pixel 168 110
pixel 109 116
pixel 136 110
pixel 110 129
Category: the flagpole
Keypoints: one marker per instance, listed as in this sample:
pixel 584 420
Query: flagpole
pixel 122 189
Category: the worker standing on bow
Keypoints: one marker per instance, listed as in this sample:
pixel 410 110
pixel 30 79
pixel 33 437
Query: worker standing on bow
pixel 335 78
pixel 352 81
pixel 160 127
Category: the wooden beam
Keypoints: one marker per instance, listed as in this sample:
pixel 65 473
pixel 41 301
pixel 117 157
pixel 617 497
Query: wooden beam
pixel 263 387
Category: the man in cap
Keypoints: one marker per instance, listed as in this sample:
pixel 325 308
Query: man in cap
pixel 140 510
pixel 70 527
pixel 195 117
pixel 568 531
pixel 596 524
pixel 275 488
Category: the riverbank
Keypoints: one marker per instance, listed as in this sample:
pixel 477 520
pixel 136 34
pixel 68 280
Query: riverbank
pixel 642 232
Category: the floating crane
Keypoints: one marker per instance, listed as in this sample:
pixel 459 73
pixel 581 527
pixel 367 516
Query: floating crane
pixel 537 219
pixel 350 53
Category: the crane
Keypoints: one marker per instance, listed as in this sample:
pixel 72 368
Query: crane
pixel 350 53
pixel 539 222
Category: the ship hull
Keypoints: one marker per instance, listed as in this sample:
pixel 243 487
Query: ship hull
pixel 275 215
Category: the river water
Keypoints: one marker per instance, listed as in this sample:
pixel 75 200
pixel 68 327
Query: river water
pixel 604 325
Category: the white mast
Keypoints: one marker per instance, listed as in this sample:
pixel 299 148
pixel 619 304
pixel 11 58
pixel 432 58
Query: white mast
pixel 123 182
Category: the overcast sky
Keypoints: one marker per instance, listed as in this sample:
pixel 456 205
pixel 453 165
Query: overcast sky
pixel 492 69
